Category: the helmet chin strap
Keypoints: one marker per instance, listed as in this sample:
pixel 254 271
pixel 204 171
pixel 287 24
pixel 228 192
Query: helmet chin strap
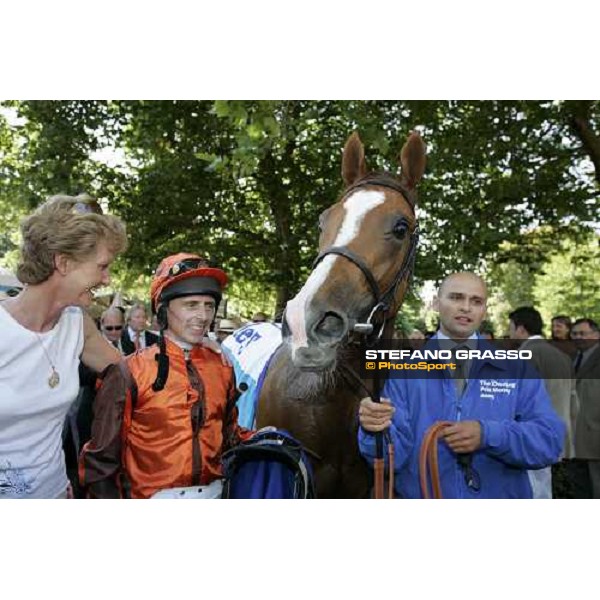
pixel 162 359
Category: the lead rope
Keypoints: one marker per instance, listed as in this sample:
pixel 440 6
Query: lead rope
pixel 390 448
pixel 428 461
pixel 378 463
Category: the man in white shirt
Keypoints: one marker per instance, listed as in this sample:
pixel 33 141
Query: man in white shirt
pixel 135 336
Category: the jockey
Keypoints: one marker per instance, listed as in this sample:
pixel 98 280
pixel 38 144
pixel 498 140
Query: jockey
pixel 164 416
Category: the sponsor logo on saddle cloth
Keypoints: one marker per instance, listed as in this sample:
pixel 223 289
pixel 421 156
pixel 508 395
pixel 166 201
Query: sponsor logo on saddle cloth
pixel 496 389
pixel 249 350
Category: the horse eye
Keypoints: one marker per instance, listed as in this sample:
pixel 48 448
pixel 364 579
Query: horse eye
pixel 400 228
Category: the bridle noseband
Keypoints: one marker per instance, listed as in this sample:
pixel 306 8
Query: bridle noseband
pixel 382 299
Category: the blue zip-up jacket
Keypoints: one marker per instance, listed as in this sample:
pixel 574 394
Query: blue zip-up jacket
pixel 520 429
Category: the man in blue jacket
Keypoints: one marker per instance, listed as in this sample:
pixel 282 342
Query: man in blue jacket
pixel 502 420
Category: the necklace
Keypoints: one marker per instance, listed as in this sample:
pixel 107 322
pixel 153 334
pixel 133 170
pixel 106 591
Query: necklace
pixel 54 378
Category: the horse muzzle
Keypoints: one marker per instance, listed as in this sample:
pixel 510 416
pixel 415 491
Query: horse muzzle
pixel 316 350
pixel 314 358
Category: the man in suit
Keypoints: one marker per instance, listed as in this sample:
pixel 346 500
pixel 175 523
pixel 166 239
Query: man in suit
pixel 525 326
pixel 135 336
pixel 111 326
pixel 586 335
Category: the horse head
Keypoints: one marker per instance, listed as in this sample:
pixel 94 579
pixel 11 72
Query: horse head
pixel 366 251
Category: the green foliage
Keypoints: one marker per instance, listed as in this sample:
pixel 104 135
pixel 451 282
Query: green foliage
pixel 245 181
pixel 510 285
pixel 411 315
pixel 569 283
pixel 563 281
pixel 247 297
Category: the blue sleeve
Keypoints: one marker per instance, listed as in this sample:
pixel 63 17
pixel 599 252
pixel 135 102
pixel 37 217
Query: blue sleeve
pixel 400 430
pixel 534 438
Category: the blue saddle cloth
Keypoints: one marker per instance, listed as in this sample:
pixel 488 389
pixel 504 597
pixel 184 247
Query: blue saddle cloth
pixel 250 350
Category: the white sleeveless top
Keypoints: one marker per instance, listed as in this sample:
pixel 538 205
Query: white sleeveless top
pixel 32 414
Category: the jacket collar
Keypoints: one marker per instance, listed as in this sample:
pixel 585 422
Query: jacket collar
pixel 475 342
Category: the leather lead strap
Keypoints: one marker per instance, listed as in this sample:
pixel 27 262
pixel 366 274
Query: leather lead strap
pixel 428 461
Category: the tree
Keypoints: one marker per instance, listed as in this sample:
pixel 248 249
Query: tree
pixel 245 181
pixel 564 281
pixel 568 283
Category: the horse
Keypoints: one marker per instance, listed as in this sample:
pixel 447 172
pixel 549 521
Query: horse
pixel 367 245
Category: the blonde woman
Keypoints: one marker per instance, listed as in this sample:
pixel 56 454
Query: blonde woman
pixel 67 248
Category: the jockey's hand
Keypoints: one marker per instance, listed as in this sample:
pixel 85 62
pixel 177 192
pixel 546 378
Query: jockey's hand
pixel 216 348
pixel 375 416
pixel 463 437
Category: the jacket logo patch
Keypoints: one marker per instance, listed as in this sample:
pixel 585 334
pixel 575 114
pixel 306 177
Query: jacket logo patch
pixel 491 388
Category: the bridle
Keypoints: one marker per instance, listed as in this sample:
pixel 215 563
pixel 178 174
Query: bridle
pixel 381 307
pixel 384 299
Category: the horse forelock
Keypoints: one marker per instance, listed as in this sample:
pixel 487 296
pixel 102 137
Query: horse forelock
pixel 386 179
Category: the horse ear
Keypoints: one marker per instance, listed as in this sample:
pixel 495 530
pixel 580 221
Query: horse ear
pixel 353 161
pixel 412 160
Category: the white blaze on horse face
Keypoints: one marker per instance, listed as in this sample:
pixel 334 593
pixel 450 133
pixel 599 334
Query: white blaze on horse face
pixel 356 207
pixel 295 312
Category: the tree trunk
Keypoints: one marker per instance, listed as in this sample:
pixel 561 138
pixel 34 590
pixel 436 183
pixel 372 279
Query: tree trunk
pixel 580 124
pixel 284 294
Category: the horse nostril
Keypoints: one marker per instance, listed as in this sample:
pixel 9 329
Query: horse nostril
pixel 331 327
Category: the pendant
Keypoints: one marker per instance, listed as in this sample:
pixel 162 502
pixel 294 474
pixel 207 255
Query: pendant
pixel 54 379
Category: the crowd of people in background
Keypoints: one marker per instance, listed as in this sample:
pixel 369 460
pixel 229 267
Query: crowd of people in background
pixel 67 250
